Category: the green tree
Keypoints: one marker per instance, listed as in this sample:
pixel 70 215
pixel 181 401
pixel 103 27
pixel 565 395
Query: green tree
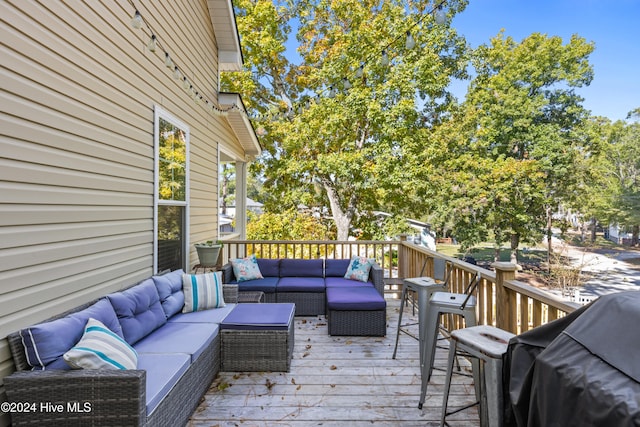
pixel 336 137
pixel 612 190
pixel 227 186
pixel 287 225
pixel 622 175
pixel 510 150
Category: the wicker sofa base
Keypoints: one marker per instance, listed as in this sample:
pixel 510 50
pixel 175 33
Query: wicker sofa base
pixel 307 303
pixel 176 408
pixel 257 350
pixel 117 398
pixel 357 322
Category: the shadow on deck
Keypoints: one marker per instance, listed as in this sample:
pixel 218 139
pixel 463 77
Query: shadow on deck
pixel 338 381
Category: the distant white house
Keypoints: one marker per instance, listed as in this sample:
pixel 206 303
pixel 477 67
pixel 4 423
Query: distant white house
pixel 618 236
pixel 424 236
pixel 252 206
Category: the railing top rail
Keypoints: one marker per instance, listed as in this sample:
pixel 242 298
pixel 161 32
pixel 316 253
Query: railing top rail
pixel 541 295
pixel 463 265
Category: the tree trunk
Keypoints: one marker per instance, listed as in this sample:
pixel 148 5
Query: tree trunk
pixel 515 242
pixel 549 240
pixel 593 229
pixel 341 217
pixel 635 234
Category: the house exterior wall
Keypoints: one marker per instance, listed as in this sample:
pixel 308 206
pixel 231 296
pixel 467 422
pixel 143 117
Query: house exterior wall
pixel 77 98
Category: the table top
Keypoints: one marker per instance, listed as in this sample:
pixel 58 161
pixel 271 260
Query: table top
pixel 252 316
pixel 422 281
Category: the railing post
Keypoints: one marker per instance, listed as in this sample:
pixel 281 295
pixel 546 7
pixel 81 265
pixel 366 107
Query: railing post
pixel 402 257
pixel 506 301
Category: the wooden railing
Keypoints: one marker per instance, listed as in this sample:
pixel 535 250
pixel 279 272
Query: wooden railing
pixel 502 301
pixel 384 252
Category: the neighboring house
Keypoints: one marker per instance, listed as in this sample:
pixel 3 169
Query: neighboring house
pixel 423 236
pixel 109 156
pixel 251 205
pixel 616 235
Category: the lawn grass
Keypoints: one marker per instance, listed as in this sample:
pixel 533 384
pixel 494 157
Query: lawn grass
pixel 485 253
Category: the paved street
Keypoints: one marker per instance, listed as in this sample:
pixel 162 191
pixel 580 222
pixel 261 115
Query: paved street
pixel 608 270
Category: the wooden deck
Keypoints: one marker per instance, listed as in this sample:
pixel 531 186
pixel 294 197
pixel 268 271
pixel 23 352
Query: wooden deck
pixel 339 381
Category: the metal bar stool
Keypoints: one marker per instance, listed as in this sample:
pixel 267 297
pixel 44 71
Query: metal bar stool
pixel 444 303
pixel 424 287
pixel 486 344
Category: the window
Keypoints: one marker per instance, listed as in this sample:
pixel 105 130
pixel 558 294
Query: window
pixel 172 192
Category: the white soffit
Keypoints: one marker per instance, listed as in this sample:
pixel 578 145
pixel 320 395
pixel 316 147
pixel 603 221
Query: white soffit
pixel 240 123
pixel 226 32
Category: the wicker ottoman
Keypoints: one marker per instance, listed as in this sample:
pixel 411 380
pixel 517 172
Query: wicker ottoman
pixel 356 311
pixel 258 337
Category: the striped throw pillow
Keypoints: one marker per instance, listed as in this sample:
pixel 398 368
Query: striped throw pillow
pixel 202 291
pixel 100 348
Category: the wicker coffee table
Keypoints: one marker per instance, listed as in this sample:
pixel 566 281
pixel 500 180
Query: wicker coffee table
pixel 258 337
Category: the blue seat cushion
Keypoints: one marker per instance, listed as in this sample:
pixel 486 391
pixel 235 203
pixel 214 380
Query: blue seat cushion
pixel 188 338
pixel 163 372
pixel 333 282
pixel 301 284
pixel 336 267
pixel 266 285
pixel 355 298
pixel 139 310
pixel 256 316
pixel 301 268
pixel 45 343
pixel 213 315
pixel 169 288
pixel 269 267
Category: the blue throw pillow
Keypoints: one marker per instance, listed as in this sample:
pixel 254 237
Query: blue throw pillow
pixel 45 343
pixel 170 292
pixel 139 310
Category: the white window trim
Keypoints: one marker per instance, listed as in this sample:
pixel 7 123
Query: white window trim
pixel 159 113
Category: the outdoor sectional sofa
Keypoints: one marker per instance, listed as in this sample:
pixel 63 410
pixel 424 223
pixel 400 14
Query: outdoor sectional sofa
pixel 318 287
pixel 178 358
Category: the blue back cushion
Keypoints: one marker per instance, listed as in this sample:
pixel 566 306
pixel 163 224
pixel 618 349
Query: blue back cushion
pixel 302 268
pixel 336 267
pixel 169 288
pixel 269 267
pixel 45 343
pixel 139 310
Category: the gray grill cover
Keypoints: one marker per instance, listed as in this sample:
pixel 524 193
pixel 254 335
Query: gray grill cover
pixel 580 370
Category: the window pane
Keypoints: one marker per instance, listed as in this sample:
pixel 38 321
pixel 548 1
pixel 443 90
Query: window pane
pixel 172 162
pixel 171 226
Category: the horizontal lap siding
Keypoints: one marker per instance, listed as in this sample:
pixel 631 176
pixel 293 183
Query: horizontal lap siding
pixel 77 96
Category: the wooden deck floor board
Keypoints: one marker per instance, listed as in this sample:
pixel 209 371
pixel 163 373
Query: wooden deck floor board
pixel 338 381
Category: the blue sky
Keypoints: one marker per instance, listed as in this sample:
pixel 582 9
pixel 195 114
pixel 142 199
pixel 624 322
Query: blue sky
pixel 614 26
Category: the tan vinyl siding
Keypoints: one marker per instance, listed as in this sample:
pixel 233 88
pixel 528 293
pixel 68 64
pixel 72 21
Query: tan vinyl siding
pixel 77 94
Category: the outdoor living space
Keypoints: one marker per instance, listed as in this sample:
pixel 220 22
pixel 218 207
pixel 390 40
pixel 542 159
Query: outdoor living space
pixel 338 381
